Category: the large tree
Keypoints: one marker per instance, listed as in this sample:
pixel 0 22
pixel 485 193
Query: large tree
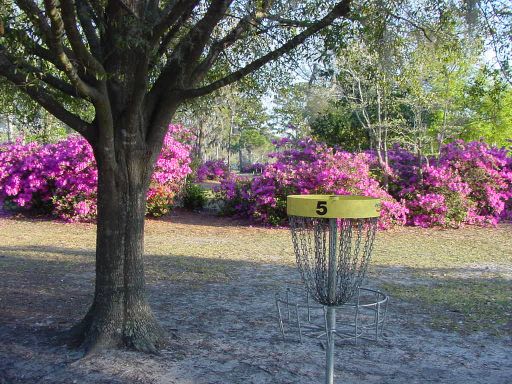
pixel 136 62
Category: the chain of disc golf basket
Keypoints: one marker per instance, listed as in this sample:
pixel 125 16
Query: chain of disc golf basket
pixel 310 237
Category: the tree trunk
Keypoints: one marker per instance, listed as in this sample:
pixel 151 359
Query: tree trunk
pixel 229 139
pixel 200 142
pixel 45 134
pixel 120 314
pixel 10 137
pixel 382 158
pixel 240 159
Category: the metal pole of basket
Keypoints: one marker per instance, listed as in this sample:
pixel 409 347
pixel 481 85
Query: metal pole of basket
pixel 331 310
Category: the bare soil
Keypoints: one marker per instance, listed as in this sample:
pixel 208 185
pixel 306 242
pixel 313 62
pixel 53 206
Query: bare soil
pixel 211 283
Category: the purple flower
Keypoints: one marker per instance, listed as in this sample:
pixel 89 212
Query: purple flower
pixel 212 170
pixel 62 177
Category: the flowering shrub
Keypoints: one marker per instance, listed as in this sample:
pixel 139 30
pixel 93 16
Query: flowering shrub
pixel 171 170
pixel 470 183
pixel 194 197
pixel 212 170
pixel 57 178
pixel 256 168
pixel 159 200
pixel 487 172
pixel 61 178
pixel 306 167
pixel 235 191
pixel 507 211
pixel 73 185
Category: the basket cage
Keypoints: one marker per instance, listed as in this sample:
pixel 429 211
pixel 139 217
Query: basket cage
pixel 313 240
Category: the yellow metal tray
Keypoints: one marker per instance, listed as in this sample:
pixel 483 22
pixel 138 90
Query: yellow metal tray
pixel 333 206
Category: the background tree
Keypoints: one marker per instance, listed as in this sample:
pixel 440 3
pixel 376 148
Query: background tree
pixel 296 105
pixel 20 116
pixel 135 62
pixel 219 121
pixel 488 105
pixel 366 84
pixel 340 127
pixel 249 126
pixel 495 18
pixel 411 72
pixel 290 110
pixel 251 140
pixel 206 118
pixel 436 68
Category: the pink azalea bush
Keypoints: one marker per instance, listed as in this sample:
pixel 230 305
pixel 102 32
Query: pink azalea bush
pixel 212 170
pixel 61 178
pixel 256 168
pixel 470 183
pixel 307 167
pixel 171 170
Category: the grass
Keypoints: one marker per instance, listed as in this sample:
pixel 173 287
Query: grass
pixel 462 278
pixel 465 306
pixel 444 248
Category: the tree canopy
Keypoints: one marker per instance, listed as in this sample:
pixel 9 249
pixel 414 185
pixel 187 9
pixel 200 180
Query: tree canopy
pixel 71 51
pixel 134 63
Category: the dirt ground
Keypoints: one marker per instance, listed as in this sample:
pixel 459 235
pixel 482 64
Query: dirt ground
pixel 212 283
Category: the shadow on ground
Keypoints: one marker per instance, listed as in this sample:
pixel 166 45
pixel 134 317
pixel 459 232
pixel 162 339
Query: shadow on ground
pixel 224 316
pixel 181 216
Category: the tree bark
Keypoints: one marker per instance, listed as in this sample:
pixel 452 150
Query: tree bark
pixel 240 158
pixel 229 139
pixel 120 314
pixel 10 137
pixel 200 142
pixel 249 155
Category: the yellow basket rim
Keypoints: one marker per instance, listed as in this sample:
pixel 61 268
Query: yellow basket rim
pixel 333 206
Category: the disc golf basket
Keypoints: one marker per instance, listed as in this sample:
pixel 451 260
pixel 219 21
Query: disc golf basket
pixel 333 240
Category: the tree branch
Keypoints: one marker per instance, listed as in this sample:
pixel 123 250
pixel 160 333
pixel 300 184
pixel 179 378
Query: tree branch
pixel 289 22
pixel 75 38
pixel 57 27
pixel 98 10
pixel 172 14
pixel 244 25
pixel 85 15
pixel 341 9
pixel 192 45
pixel 50 80
pixel 37 18
pixel 187 52
pixel 415 25
pixel 167 37
pixel 231 38
pixel 33 48
pixel 37 92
